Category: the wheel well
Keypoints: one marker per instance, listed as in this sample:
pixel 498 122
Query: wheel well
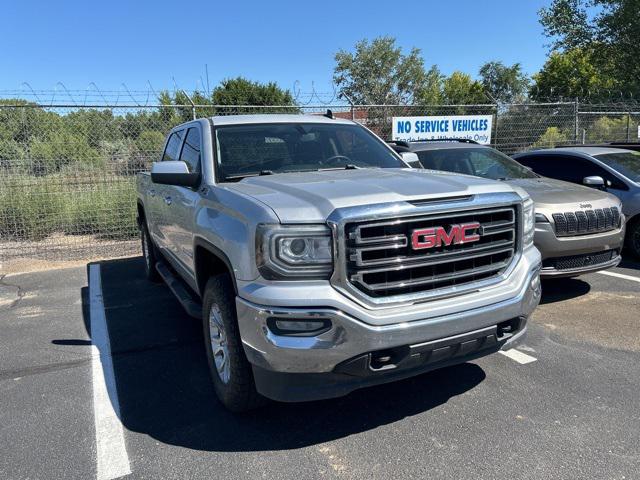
pixel 208 264
pixel 141 215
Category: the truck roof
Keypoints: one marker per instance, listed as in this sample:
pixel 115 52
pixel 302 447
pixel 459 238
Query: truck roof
pixel 275 118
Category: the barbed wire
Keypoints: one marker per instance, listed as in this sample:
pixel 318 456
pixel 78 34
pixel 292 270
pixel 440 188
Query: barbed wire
pixel 127 97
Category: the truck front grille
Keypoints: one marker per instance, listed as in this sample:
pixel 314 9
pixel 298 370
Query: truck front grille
pixel 381 260
pixel 586 222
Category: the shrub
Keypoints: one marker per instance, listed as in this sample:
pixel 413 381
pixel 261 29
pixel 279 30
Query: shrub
pixel 31 208
pixel 550 138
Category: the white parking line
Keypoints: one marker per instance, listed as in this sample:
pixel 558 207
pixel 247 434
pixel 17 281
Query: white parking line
pixel 621 275
pixel 517 356
pixel 112 459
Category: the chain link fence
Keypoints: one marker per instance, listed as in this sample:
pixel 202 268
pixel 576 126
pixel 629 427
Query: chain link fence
pixel 67 171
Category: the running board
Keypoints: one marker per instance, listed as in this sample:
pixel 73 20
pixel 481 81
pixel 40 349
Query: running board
pixel 192 306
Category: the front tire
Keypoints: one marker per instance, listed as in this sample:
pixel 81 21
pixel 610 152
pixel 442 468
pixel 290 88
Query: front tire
pixel 633 237
pixel 230 370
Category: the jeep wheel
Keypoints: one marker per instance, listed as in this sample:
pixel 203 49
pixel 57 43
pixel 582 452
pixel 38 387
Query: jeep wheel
pixel 633 238
pixel 230 370
pixel 149 255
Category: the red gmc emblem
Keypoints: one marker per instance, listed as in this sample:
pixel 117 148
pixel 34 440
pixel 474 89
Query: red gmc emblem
pixel 438 236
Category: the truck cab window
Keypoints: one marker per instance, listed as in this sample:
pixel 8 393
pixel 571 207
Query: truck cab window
pixel 173 146
pixel 191 150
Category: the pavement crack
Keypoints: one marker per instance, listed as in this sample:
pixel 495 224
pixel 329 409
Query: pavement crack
pixel 19 291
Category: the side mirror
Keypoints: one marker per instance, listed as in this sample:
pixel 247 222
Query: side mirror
pixel 594 182
pixel 173 173
pixel 412 159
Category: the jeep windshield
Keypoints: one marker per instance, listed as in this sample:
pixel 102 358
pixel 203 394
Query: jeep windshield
pixel 481 162
pixel 264 149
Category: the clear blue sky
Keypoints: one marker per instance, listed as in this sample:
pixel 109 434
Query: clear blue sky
pixel 110 42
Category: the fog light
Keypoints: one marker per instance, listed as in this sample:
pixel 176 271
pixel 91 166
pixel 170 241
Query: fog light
pixel 535 282
pixel 298 327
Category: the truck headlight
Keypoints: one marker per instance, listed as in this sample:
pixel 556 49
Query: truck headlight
pixel 300 251
pixel 528 222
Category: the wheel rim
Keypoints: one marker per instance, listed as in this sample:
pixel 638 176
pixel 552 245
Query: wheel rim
pixel 219 346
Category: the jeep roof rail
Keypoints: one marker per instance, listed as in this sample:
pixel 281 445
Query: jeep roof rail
pixel 407 144
pixel 400 143
pixel 444 140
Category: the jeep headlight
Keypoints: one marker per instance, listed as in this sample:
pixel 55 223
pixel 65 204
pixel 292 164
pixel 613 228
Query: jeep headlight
pixel 299 251
pixel 528 222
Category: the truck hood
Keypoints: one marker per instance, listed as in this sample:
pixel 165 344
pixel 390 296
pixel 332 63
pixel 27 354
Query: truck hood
pixel 551 196
pixel 307 197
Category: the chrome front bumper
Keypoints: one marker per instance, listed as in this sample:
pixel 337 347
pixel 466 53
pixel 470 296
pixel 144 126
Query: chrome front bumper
pixel 350 336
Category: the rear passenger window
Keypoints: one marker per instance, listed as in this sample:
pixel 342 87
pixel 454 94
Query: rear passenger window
pixel 173 147
pixel 191 150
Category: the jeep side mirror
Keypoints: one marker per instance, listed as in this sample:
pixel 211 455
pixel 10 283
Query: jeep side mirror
pixel 412 159
pixel 594 182
pixel 173 173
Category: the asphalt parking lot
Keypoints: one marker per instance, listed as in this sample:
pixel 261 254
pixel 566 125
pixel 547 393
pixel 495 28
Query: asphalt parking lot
pixel 566 406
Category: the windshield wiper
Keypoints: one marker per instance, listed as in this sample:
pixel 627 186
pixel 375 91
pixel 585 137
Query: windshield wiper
pixel 240 176
pixel 348 166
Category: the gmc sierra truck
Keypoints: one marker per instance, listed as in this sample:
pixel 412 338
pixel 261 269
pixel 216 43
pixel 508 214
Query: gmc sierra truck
pixel 320 263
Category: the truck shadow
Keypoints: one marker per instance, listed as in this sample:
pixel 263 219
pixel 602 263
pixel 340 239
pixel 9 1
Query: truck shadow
pixel 561 289
pixel 165 392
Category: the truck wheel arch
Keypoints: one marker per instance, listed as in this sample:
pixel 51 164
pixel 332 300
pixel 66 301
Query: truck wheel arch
pixel 209 260
pixel 141 215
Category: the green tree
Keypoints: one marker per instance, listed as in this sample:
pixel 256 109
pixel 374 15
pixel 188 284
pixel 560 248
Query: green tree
pixel 459 88
pixel 431 91
pixel 240 91
pixel 377 72
pixel 572 74
pixel 609 29
pixel 504 84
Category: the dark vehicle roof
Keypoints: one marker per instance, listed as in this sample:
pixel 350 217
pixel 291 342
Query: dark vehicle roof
pixel 577 149
pixel 635 146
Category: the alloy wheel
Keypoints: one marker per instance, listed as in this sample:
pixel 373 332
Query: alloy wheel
pixel 219 345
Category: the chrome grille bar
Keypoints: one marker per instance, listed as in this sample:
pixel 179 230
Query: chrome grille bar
pixel 442 278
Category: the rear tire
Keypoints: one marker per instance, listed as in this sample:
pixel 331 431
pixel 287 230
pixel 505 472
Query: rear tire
pixel 230 370
pixel 632 241
pixel 149 254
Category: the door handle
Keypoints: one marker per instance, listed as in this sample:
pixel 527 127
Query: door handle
pixel 167 200
pixel 151 193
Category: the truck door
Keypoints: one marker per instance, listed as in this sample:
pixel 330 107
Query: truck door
pixel 156 207
pixel 181 205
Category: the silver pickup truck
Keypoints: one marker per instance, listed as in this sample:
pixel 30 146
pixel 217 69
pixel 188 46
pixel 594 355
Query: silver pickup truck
pixel 319 263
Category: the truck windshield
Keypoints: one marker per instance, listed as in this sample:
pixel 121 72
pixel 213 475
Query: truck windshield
pixel 627 163
pixel 259 149
pixel 481 162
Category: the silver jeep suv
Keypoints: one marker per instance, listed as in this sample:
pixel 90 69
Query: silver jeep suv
pixel 578 229
pixel 614 169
